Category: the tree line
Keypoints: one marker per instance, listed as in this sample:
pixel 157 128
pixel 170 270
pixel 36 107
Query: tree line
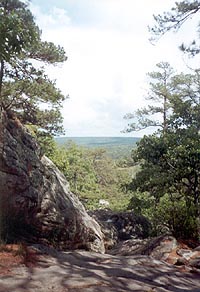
pixel 167 187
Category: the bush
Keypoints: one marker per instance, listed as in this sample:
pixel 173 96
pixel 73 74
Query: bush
pixel 170 213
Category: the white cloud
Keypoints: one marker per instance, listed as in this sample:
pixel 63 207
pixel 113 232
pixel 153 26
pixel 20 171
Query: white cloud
pixel 54 19
pixel 108 57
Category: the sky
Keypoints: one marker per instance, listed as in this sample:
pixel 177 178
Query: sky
pixel 109 56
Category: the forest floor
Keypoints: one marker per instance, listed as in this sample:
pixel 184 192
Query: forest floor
pixel 14 255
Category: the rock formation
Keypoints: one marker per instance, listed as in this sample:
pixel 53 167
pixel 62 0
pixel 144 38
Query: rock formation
pixel 120 226
pixel 35 199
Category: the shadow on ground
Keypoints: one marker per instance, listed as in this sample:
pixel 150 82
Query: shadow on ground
pixel 90 272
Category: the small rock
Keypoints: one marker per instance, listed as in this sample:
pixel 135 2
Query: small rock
pixel 181 262
pixel 186 253
pixel 197 248
pixel 195 263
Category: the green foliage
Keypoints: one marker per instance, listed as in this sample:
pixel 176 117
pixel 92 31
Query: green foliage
pixel 15 18
pixel 182 11
pixel 170 162
pixel 157 113
pixel 174 19
pixel 77 166
pixel 110 179
pixel 170 165
pixel 44 139
pixel 170 213
pixel 93 175
pixel 25 89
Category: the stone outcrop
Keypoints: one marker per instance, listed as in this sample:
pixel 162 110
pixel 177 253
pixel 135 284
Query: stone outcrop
pixel 157 247
pixel 35 198
pixel 164 248
pixel 121 226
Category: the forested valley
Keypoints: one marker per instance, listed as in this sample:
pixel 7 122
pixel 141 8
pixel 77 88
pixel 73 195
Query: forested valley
pixel 161 177
pixel 157 181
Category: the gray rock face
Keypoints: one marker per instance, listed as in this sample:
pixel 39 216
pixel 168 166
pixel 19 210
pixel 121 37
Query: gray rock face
pixel 158 247
pixel 120 226
pixel 35 197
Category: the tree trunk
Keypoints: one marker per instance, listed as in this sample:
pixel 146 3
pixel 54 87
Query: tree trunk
pixel 1 85
pixel 165 114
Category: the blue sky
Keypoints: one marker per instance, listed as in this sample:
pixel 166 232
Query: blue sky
pixel 109 54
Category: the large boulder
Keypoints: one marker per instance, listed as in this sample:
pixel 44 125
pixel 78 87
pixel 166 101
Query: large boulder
pixel 36 202
pixel 158 247
pixel 121 226
pixel 110 233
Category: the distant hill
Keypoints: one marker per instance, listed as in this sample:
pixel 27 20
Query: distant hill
pixel 116 147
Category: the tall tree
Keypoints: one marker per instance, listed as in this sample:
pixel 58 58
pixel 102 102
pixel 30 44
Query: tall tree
pixel 23 86
pixel 186 101
pixel 159 96
pixel 170 161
